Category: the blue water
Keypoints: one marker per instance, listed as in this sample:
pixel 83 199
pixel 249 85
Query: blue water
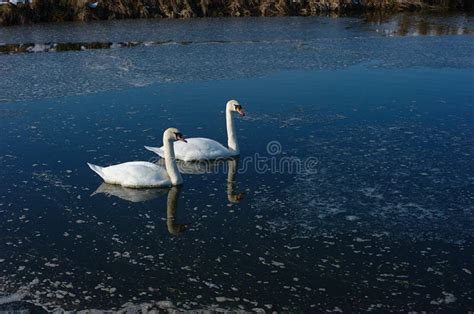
pixel 382 220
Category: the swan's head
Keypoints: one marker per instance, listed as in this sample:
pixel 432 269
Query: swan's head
pixel 173 134
pixel 233 105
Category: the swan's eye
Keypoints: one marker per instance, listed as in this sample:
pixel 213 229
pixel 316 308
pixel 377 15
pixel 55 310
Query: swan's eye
pixel 238 107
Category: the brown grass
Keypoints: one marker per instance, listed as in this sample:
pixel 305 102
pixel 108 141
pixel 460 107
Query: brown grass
pixel 77 10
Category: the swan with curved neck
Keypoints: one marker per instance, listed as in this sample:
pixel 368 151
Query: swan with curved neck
pixel 143 174
pixel 201 148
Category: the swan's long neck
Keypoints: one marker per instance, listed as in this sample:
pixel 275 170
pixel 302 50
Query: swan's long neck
pixel 231 136
pixel 170 162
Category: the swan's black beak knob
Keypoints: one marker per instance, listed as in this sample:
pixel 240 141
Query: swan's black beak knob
pixel 180 137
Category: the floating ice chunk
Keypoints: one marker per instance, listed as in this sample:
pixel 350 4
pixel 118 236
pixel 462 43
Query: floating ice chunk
pixel 165 304
pixel 211 285
pixel 352 218
pixel 448 298
pixel 48 264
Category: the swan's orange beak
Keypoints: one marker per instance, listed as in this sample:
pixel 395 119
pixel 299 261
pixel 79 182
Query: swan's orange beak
pixel 241 112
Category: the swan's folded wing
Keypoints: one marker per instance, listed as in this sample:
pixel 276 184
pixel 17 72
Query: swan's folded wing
pixel 199 148
pixel 156 150
pixel 137 174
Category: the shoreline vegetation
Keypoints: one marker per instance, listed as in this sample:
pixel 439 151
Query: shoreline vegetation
pixel 82 10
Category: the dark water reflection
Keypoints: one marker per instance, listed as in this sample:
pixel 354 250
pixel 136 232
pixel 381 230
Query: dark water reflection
pixel 127 194
pixel 402 24
pixel 384 223
pixel 412 24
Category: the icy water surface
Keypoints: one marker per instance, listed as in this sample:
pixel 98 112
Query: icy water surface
pixel 381 219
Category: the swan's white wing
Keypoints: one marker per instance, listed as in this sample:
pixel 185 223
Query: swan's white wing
pixel 199 148
pixel 136 174
pixel 157 150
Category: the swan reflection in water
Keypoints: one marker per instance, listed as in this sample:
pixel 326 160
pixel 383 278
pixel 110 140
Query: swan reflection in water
pixel 143 195
pixel 174 228
pixel 232 196
pixel 128 194
pixel 214 166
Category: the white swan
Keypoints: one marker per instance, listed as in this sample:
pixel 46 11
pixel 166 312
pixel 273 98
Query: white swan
pixel 200 148
pixel 142 174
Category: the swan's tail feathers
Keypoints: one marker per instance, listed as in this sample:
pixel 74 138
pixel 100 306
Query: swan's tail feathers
pixel 156 150
pixel 98 170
